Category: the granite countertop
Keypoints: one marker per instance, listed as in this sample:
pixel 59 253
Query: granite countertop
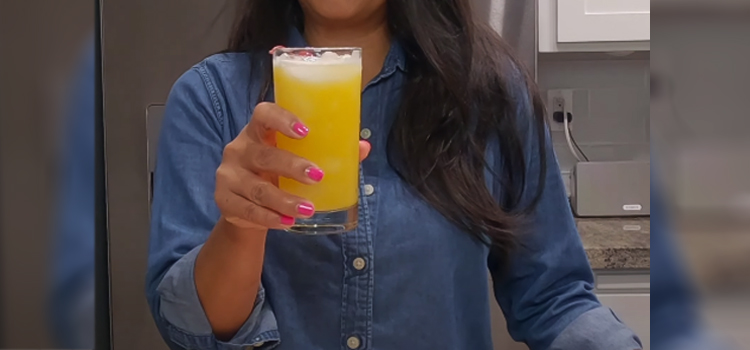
pixel 616 243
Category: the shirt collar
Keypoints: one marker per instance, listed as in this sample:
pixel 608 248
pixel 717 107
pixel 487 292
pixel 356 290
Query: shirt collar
pixel 396 58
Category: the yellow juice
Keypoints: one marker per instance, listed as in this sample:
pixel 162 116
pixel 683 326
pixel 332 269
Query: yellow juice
pixel 326 97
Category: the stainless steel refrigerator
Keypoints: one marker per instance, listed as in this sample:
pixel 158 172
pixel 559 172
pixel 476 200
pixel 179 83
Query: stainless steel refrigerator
pixel 146 46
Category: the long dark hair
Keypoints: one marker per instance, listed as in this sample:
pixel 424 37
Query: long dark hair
pixel 440 148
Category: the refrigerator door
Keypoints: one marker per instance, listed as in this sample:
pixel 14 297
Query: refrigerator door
pixel 146 46
pixel 516 21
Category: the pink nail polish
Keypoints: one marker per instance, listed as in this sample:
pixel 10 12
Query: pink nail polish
pixel 287 220
pixel 315 174
pixel 300 129
pixel 306 209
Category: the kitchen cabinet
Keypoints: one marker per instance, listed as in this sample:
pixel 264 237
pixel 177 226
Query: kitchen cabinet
pixel 594 25
pixel 634 310
pixel 501 340
pixel 603 20
pixel 627 293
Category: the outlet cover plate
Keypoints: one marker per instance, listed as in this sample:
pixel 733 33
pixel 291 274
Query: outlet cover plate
pixel 559 100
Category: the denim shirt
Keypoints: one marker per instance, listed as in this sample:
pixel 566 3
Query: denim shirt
pixel 424 284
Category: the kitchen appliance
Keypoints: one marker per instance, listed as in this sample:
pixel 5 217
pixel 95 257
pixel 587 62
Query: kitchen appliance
pixel 621 188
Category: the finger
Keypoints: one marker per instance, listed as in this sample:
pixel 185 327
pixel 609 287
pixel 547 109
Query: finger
pixel 245 213
pixel 268 118
pixel 265 194
pixel 277 47
pixel 364 149
pixel 267 159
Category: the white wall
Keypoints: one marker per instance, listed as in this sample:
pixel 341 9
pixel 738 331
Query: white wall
pixel 611 115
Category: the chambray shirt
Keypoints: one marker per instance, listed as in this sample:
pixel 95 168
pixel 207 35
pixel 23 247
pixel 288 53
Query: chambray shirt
pixel 406 278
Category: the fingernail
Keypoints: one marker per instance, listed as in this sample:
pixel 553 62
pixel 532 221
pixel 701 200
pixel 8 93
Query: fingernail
pixel 275 48
pixel 315 174
pixel 287 220
pixel 300 129
pixel 306 209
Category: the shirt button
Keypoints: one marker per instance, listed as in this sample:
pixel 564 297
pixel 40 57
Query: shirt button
pixel 353 342
pixel 365 133
pixel 369 190
pixel 359 264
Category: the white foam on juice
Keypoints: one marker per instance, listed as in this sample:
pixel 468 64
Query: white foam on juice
pixel 327 67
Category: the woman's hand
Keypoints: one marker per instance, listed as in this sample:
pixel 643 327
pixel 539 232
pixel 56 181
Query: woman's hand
pixel 247 192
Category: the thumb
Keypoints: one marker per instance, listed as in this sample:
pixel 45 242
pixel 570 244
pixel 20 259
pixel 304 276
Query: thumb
pixel 364 149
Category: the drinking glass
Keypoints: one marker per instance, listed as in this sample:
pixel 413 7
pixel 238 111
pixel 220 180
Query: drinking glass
pixel 322 86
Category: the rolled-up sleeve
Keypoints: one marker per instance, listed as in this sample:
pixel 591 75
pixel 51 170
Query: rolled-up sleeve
pixel 187 324
pixel 182 217
pixel 547 293
pixel 596 329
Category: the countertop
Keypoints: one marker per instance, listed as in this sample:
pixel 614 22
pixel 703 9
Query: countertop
pixel 616 243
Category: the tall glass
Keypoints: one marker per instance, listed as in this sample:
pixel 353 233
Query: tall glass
pixel 322 86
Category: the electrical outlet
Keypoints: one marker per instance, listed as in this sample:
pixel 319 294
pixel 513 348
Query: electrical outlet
pixel 558 104
pixel 559 101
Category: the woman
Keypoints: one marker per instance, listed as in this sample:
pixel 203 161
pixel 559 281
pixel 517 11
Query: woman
pixel 461 180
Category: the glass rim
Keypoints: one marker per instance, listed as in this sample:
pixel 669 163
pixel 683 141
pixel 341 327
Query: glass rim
pixel 291 50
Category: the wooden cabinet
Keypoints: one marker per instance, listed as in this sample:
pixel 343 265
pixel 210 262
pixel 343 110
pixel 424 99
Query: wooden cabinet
pixel 594 25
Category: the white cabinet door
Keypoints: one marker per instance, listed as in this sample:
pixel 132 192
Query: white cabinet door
pixel 581 21
pixel 635 310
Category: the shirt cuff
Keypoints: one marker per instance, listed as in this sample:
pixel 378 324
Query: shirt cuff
pixel 187 324
pixel 597 329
